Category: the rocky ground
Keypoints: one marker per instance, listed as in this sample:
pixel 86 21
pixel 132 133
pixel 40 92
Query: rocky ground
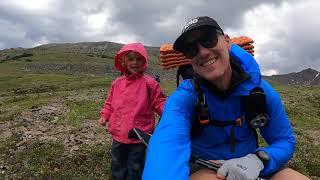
pixel 45 125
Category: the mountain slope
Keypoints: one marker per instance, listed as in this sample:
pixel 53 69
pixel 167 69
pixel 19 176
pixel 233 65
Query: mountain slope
pixel 93 58
pixel 305 77
pixel 96 58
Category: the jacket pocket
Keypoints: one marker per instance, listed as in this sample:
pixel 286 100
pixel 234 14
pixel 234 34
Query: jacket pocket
pixel 115 125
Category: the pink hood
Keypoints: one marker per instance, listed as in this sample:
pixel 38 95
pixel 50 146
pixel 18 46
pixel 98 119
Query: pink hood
pixel 137 47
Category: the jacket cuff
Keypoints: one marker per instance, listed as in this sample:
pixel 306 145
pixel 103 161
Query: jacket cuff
pixel 270 166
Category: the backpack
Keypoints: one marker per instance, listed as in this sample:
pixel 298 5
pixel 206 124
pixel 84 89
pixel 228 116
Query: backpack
pixel 185 71
pixel 255 113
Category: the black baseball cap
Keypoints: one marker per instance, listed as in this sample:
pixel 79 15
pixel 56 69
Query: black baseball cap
pixel 195 23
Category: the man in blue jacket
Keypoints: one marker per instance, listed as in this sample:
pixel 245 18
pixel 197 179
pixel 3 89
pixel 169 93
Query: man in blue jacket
pixel 224 74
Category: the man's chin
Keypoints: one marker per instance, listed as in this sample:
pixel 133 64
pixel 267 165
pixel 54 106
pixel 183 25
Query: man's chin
pixel 213 76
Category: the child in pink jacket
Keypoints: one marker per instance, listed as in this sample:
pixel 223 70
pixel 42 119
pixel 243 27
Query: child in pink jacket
pixel 132 101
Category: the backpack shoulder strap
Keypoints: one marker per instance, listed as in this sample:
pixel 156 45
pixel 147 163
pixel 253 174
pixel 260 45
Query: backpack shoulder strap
pixel 255 110
pixel 202 117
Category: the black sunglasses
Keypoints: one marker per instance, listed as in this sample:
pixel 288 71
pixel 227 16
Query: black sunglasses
pixel 207 39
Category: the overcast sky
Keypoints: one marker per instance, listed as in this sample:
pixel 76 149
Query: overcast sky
pixel 285 31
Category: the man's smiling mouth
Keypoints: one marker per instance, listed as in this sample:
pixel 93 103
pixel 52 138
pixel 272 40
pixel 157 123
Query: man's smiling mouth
pixel 212 61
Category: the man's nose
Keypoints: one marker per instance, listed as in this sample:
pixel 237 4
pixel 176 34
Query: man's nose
pixel 202 51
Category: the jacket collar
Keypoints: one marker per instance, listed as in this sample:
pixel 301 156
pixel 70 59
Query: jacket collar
pixel 238 76
pixel 134 76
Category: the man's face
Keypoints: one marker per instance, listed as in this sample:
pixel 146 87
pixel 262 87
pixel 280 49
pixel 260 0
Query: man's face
pixel 210 53
pixel 133 62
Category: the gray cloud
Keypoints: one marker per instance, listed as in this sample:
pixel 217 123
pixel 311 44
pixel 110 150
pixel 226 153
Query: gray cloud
pixel 141 17
pixel 287 41
pixel 157 22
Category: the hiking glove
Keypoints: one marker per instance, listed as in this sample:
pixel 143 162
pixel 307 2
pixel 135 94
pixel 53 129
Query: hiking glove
pixel 247 167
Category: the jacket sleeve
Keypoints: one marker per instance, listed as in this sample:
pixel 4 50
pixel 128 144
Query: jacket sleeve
pixel 277 133
pixel 158 98
pixel 169 148
pixel 106 109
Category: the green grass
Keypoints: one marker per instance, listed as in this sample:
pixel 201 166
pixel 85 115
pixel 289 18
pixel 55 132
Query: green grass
pixel 306 158
pixel 45 161
pixel 69 58
pixel 37 83
pixel 80 110
pixel 19 93
pixel 14 105
pixel 11 68
pixel 40 157
pixel 168 86
pixel 302 105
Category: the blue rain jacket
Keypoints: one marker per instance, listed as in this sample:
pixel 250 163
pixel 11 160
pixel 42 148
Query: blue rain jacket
pixel 170 146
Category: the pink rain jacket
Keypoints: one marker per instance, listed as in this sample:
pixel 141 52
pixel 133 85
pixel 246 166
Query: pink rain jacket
pixel 132 100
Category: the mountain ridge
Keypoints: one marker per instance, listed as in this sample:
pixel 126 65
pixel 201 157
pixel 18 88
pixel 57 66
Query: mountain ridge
pixel 306 77
pixel 97 58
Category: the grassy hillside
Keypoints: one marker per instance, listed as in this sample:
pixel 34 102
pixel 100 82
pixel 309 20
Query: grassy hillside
pixel 49 110
pixel 302 105
pixel 87 58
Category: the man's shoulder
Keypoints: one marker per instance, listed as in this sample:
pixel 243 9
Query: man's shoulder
pixel 270 92
pixel 183 98
pixel 186 85
pixel 266 86
pixel 184 91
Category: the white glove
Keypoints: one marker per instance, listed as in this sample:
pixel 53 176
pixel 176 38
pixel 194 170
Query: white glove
pixel 244 168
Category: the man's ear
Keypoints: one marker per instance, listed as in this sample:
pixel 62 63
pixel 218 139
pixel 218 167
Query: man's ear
pixel 228 40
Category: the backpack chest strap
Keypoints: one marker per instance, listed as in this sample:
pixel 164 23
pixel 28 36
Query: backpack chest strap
pixel 233 124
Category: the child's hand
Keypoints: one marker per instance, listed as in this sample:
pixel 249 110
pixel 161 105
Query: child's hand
pixel 103 121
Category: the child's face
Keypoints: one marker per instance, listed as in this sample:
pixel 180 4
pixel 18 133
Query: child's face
pixel 133 62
